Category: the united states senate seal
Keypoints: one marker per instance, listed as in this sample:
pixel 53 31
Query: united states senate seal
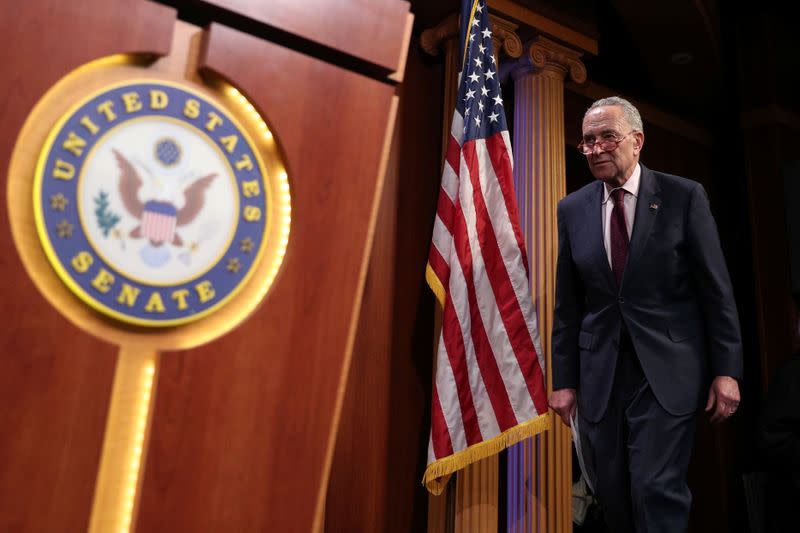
pixel 151 202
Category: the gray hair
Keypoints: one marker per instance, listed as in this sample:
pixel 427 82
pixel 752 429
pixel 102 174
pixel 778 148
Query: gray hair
pixel 629 111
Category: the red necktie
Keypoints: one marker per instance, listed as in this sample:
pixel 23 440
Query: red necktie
pixel 619 235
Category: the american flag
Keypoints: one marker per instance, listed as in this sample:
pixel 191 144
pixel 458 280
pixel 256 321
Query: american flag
pixel 158 221
pixel 490 387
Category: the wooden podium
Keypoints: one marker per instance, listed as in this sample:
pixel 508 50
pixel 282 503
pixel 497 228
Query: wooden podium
pixel 243 427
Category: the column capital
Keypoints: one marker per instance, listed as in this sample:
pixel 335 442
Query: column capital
pixel 504 36
pixel 432 39
pixel 543 55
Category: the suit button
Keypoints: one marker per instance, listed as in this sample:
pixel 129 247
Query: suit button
pixel 621 300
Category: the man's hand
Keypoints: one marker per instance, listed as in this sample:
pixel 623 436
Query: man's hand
pixel 563 401
pixel 723 398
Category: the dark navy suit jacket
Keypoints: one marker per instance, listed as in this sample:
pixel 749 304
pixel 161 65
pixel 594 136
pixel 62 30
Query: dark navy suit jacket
pixel 675 297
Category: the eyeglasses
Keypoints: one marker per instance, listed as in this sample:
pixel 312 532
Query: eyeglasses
pixel 606 144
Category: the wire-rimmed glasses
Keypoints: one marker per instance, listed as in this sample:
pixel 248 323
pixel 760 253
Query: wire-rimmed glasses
pixel 607 143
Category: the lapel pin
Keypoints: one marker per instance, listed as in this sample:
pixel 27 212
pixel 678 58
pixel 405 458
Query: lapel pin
pixel 653 206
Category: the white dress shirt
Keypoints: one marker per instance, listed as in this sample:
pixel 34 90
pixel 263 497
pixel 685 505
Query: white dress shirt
pixel 632 194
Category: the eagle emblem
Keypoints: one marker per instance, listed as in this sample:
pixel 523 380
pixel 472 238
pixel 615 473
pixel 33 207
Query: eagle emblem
pixel 150 218
pixel 159 218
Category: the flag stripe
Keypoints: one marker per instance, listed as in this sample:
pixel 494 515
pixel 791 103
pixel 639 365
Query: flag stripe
pixel 453 155
pixel 458 290
pixel 457 354
pixel 450 177
pixel 440 435
pixel 457 128
pixel 504 293
pixel 444 211
pixel 439 266
pixel 513 255
pixel 498 148
pixel 492 306
pixel 448 396
pixel 484 355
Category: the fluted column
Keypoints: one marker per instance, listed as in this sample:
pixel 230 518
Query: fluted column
pixel 540 470
pixel 476 499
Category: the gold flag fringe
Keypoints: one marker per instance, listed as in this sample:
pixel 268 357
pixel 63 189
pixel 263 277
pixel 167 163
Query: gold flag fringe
pixel 435 284
pixel 438 472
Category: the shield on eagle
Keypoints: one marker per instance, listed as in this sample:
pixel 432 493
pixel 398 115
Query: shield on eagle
pixel 158 221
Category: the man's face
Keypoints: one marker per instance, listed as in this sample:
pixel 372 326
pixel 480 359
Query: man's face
pixel 613 166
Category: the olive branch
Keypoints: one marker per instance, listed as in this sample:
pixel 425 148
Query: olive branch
pixel 105 219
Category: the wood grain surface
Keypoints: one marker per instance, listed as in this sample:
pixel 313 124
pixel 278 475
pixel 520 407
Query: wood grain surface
pixel 55 380
pixel 242 428
pixel 369 31
pixel 242 434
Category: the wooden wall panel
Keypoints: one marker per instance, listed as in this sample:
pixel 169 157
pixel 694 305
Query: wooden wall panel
pixel 370 30
pixel 241 428
pixel 358 490
pixel 55 380
pixel 381 448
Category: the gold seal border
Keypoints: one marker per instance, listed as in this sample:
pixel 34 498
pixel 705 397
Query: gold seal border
pixel 125 69
pixel 62 269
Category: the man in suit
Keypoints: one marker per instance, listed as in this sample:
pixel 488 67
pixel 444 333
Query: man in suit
pixel 645 330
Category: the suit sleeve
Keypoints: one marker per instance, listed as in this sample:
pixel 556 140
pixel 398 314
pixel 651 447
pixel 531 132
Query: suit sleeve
pixel 567 316
pixel 712 282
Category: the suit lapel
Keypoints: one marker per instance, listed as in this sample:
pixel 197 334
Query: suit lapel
pixel 647 208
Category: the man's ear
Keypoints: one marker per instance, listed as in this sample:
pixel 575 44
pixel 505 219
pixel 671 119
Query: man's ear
pixel 639 136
